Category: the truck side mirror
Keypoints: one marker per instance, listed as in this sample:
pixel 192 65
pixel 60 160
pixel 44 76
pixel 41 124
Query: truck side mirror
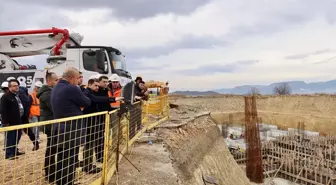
pixel 100 57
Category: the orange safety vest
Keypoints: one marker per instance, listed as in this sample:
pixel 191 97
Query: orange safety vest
pixel 35 106
pixel 115 94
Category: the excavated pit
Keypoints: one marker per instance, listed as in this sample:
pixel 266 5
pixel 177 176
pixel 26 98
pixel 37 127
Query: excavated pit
pixel 292 153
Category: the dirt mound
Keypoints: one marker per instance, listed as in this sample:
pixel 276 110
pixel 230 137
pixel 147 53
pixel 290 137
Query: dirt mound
pixel 198 151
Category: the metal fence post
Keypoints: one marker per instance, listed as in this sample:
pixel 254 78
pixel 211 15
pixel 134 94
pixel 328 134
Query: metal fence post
pixel 127 133
pixel 168 106
pixel 106 147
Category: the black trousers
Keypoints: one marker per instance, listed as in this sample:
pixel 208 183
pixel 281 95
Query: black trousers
pixel 90 142
pixel 12 140
pixel 66 165
pixel 95 137
pixel 99 140
pixel 49 159
pixel 30 133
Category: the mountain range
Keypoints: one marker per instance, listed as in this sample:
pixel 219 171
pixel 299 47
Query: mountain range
pixel 296 87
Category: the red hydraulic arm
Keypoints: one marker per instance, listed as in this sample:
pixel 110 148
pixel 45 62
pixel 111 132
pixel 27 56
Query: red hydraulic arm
pixel 53 30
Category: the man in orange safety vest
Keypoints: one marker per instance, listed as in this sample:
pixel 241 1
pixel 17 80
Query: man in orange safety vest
pixel 34 115
pixel 114 90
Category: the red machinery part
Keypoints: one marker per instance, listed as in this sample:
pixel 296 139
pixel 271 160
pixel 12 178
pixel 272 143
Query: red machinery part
pixel 53 30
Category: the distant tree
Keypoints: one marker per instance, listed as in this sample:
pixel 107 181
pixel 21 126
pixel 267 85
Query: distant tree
pixel 254 91
pixel 282 89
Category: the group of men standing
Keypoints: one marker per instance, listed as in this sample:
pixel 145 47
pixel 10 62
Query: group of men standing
pixel 62 98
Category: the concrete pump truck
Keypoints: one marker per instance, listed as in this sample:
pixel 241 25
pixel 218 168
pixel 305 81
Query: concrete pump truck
pixel 63 50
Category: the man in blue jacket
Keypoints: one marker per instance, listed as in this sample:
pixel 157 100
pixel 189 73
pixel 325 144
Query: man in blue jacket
pixel 66 100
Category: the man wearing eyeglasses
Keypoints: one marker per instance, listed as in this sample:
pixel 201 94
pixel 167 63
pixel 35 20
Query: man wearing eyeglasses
pixel 12 112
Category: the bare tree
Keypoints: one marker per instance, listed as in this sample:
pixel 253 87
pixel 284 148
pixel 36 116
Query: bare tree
pixel 282 89
pixel 254 91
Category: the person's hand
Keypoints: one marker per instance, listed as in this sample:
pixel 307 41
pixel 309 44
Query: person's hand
pixel 146 93
pixel 119 98
pixel 137 97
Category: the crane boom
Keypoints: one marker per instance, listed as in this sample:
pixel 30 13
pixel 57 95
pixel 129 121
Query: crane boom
pixel 36 42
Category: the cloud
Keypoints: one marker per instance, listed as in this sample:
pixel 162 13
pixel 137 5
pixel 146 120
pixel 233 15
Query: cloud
pixel 327 60
pixel 127 9
pixel 215 68
pixel 186 42
pixel 208 70
pixel 299 56
pixel 210 42
pixel 247 62
pixel 306 55
pixel 18 16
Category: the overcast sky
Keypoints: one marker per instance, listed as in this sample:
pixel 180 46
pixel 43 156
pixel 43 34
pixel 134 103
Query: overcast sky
pixel 197 44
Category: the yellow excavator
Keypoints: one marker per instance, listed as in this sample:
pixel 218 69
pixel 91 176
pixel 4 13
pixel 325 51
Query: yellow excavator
pixel 156 104
pixel 161 87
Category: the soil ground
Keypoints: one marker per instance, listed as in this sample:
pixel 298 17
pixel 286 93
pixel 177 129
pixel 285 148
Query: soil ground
pixel 153 162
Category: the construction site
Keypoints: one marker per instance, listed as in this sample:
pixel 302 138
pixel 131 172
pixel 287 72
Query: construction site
pixel 287 140
pixel 224 140
pixel 297 155
pixel 273 139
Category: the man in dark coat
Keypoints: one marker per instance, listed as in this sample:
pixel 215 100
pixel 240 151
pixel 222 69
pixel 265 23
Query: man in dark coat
pixel 46 111
pixel 12 112
pixel 66 100
pixel 92 125
pixel 102 92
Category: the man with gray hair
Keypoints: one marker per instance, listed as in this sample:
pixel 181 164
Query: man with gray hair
pixel 66 100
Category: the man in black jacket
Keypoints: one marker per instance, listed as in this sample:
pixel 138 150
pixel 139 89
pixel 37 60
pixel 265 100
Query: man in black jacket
pixel 46 112
pixel 66 100
pixel 93 125
pixel 102 92
pixel 12 112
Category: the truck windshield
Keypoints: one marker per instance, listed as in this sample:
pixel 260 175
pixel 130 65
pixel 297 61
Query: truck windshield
pixel 118 61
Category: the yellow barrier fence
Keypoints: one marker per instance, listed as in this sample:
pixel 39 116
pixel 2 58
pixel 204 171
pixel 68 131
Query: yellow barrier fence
pixel 83 149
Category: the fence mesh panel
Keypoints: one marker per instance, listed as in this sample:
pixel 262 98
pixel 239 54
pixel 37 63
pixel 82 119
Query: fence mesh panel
pixel 82 149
